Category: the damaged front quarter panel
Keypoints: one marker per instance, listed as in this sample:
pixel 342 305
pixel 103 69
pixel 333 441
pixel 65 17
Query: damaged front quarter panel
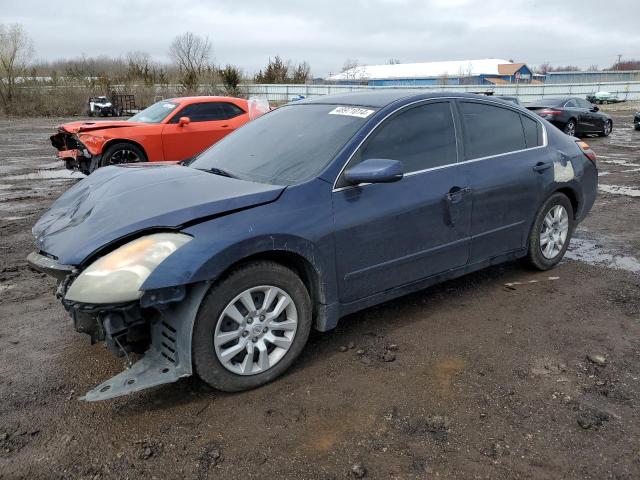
pixel 168 357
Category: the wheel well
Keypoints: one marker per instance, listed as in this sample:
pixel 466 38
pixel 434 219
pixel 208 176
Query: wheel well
pixel 123 140
pixel 571 195
pixel 300 265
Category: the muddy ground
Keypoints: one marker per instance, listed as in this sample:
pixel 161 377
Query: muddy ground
pixel 473 378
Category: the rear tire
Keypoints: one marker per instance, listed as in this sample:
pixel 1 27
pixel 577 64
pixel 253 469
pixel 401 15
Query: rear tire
pixel 122 152
pixel 551 233
pixel 217 335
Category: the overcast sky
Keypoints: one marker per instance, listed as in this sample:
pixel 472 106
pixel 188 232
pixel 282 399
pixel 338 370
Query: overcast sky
pixel 326 32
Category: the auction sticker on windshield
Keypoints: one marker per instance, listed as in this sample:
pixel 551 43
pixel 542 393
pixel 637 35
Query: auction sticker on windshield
pixel 352 112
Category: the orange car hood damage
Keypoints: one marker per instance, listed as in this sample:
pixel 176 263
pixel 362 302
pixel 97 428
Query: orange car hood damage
pixel 79 127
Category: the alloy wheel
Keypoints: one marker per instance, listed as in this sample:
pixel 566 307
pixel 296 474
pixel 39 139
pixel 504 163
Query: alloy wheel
pixel 570 129
pixel 607 128
pixel 554 231
pixel 123 156
pixel 255 330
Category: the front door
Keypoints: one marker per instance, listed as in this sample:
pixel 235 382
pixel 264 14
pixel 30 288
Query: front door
pixel 388 235
pixel 208 123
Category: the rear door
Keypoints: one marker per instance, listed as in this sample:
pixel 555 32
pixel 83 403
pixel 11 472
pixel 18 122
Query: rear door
pixel 388 235
pixel 209 122
pixel 505 167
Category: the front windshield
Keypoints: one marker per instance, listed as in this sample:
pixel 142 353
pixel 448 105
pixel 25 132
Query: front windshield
pixel 155 113
pixel 286 146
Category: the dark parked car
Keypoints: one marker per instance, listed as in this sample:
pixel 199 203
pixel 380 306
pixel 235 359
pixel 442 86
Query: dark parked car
pixel 636 121
pixel 573 115
pixel 316 210
pixel 511 99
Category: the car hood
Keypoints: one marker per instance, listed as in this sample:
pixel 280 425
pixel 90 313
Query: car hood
pixel 119 201
pixel 87 126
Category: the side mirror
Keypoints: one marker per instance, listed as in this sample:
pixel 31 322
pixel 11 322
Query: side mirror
pixel 595 108
pixel 184 121
pixel 375 170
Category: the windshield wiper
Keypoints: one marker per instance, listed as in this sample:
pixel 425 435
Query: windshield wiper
pixel 218 171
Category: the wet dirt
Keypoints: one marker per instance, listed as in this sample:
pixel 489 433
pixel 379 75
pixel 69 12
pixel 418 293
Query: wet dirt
pixel 487 376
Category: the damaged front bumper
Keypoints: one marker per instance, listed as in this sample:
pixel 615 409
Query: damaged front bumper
pixel 160 324
pixel 73 152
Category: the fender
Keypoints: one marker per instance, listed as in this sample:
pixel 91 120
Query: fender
pixel 221 243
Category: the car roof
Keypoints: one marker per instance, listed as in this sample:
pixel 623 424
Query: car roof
pixel 383 97
pixel 203 98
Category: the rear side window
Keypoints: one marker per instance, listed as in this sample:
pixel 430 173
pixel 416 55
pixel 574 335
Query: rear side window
pixel 490 130
pixel 421 137
pixel 201 112
pixel 532 131
pixel 571 104
pixel 231 110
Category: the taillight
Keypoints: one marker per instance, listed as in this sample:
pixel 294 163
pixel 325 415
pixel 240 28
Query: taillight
pixel 549 111
pixel 586 149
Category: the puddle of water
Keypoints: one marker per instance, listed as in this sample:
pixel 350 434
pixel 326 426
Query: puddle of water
pixel 603 174
pixel 620 190
pixel 13 219
pixel 48 175
pixel 5 287
pixel 592 253
pixel 622 163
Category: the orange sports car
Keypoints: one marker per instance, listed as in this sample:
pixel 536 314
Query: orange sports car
pixel 170 130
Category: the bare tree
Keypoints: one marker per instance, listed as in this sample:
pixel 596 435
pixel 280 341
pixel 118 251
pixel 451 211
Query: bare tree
pixel 16 50
pixel 301 73
pixel 192 54
pixel 352 69
pixel 394 61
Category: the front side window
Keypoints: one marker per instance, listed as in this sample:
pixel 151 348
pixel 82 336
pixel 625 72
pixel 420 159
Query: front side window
pixel 490 130
pixel 201 112
pixel 231 110
pixel 582 103
pixel 421 137
pixel 571 104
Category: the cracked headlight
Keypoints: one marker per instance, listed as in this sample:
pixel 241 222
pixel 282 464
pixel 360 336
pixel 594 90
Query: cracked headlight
pixel 118 276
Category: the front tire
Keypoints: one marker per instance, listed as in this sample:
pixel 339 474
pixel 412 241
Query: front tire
pixel 122 152
pixel 606 129
pixel 570 128
pixel 251 327
pixel 551 232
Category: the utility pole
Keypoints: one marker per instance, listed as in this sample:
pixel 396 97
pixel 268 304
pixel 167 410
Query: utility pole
pixel 618 62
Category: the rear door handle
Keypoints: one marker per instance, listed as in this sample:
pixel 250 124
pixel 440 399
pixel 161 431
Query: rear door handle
pixel 542 166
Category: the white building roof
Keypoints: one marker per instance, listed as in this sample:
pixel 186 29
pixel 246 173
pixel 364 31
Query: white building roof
pixel 487 66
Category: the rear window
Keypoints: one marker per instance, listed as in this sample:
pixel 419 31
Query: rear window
pixel 546 102
pixel 490 130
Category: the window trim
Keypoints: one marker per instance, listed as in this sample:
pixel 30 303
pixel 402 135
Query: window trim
pixel 179 114
pixel 394 114
pixel 520 110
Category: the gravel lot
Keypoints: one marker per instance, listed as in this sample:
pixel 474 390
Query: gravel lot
pixel 505 373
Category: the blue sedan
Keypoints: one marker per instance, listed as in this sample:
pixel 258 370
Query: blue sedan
pixel 221 267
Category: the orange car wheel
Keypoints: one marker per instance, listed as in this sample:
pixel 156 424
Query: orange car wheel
pixel 122 152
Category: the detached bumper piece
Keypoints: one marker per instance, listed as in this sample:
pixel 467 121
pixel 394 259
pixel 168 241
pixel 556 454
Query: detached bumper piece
pixel 169 356
pixel 50 266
